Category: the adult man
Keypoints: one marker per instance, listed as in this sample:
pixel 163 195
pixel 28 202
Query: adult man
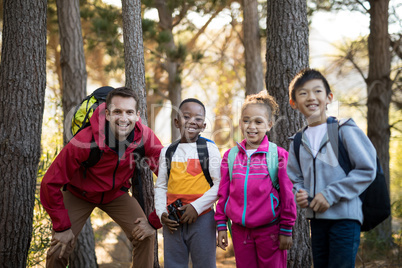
pixel 117 131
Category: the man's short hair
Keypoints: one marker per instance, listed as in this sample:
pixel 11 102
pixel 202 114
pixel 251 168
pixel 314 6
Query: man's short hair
pixel 122 92
pixel 304 76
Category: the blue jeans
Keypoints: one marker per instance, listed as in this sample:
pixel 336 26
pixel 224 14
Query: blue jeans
pixel 335 243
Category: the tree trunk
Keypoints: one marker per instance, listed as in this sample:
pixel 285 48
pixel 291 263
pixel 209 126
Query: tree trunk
pixel 84 250
pixel 287 54
pixel 135 79
pixel 171 66
pixel 252 47
pixel 74 81
pixel 74 74
pixel 379 92
pixel 22 91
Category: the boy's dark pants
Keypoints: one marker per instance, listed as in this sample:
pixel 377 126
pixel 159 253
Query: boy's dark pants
pixel 124 210
pixel 335 243
pixel 197 239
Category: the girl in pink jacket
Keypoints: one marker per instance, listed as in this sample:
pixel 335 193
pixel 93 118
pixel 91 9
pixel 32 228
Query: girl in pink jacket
pixel 262 213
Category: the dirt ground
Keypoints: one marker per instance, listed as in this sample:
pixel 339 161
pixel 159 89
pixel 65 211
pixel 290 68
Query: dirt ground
pixel 114 252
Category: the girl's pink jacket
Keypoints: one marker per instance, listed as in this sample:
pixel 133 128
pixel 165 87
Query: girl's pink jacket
pixel 250 199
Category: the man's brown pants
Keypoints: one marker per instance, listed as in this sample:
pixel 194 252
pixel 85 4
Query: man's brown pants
pixel 124 210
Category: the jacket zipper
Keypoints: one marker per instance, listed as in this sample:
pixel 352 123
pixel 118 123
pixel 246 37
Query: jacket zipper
pixel 315 183
pixel 114 179
pixel 245 191
pixel 245 185
pixel 114 173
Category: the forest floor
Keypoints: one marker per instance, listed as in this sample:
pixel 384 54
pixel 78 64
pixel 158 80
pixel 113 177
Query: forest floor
pixel 115 253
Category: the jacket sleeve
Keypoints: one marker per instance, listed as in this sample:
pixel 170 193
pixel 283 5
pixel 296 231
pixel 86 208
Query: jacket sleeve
pixel 209 197
pixel 293 171
pixel 153 149
pixel 161 186
pixel 63 167
pixel 223 194
pixel 362 155
pixel 288 206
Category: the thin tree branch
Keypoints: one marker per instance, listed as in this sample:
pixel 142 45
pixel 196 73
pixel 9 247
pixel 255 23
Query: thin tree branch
pixel 191 43
pixel 177 19
pixel 362 5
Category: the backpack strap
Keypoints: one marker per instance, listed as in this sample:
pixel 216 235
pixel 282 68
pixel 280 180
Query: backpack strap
pixel 169 155
pixel 296 145
pixel 203 156
pixel 335 141
pixel 136 179
pixel 95 155
pixel 337 144
pixel 272 163
pixel 231 157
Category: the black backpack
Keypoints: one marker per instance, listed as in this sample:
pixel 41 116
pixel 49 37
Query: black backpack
pixel 375 199
pixel 203 157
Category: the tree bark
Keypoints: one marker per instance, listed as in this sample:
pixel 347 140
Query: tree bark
pixel 74 74
pixel 84 250
pixel 74 81
pixel 252 47
pixel 135 79
pixel 171 66
pixel 379 93
pixel 22 91
pixel 287 54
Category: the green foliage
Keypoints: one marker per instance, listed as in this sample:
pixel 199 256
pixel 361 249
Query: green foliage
pixel 197 55
pixel 41 235
pixel 396 177
pixel 163 37
pixel 149 29
pixel 178 54
pixel 374 250
pixel 102 28
pixel 42 227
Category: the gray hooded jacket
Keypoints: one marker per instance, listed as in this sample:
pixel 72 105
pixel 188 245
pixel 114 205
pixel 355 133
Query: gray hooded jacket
pixel 323 174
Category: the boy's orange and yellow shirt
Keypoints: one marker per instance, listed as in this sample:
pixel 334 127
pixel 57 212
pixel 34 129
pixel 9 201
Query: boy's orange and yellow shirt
pixel 187 181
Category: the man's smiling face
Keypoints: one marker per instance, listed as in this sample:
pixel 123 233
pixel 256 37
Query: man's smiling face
pixel 122 116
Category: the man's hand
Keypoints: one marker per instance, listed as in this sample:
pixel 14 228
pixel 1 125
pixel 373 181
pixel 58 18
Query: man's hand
pixel 142 230
pixel 171 224
pixel 222 239
pixel 301 198
pixel 61 239
pixel 319 203
pixel 285 242
pixel 190 216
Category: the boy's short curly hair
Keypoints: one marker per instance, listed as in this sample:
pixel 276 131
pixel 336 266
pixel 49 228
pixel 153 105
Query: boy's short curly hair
pixel 304 76
pixel 262 98
pixel 124 92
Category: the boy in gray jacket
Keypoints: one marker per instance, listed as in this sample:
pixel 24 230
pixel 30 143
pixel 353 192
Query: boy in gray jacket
pixel 330 195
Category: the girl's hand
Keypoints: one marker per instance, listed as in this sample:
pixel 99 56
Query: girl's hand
pixel 190 216
pixel 222 239
pixel 285 242
pixel 171 224
pixel 302 198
